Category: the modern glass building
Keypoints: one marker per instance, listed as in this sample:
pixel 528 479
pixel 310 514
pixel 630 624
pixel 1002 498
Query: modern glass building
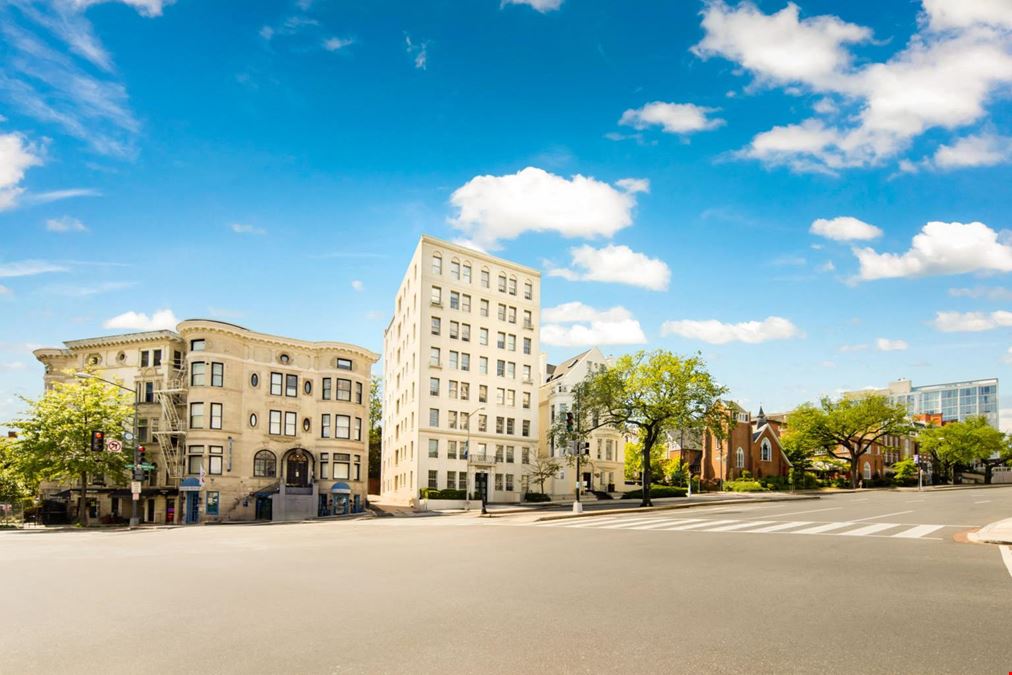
pixel 954 401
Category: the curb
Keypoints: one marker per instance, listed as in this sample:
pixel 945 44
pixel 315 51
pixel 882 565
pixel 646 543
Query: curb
pixel 999 532
pixel 670 507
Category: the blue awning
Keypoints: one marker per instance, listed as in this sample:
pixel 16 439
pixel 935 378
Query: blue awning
pixel 340 489
pixel 189 484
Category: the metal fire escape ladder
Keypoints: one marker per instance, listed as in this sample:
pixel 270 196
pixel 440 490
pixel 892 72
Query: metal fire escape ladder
pixel 171 432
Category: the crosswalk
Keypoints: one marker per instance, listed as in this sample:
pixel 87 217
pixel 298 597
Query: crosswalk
pixel 738 526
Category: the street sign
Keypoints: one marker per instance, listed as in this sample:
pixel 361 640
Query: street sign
pixel 135 487
pixel 145 466
pixel 113 445
pixel 128 436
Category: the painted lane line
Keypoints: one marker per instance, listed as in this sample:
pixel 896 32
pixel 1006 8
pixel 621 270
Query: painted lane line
pixel 705 523
pixel 884 515
pixel 589 522
pixel 739 526
pixel 983 501
pixel 819 529
pixel 665 523
pixel 914 501
pixel 798 513
pixel 630 522
pixel 868 529
pixel 1006 555
pixel 917 532
pixel 783 526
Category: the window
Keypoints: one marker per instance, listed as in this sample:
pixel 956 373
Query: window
pixel 483 336
pixel 358 429
pixel 510 422
pixel 526 428
pixel 527 319
pixel 265 464
pixel 526 400
pixel 451 419
pixel 465 303
pixel 500 340
pixel 500 425
pixel 766 452
pixel 465 361
pixel 502 283
pixel 342 426
pixel 454 360
pixel 291 385
pixel 527 345
pixel 197 345
pixel 434 448
pixel 325 426
pixel 196 415
pixel 451 449
pixel 217 374
pixel 437 264
pixel 436 296
pixel 465 332
pixel 253 420
pixel 482 393
pixel 525 455
pixel 284 358
pixel 867 471
pixel 465 391
pixel 500 368
pixel 509 454
pixel 343 390
pixel 483 365
pixel 216 416
pixel 501 312
pixel 142 431
pixel 433 479
pixel 498 482
pixel 274 423
pixel 341 460
pixel 434 356
pixel 433 417
pixel 482 423
pixel 454 300
pixel 739 458
pixel 527 374
pixel 434 386
pixel 483 308
pixel 528 290
pixel 467 273
pixel 276 380
pixel 198 373
pixel 254 380
pixel 290 421
pixel 307 386
pixel 455 270
pixel 512 286
pixel 195 459
pixel 454 330
pixel 215 460
pixel 452 390
pixel 307 424
pixel 451 480
pixel 513 315
pixel 509 482
pixel 437 325
pixel 511 342
pixel 144 358
pixel 344 364
pixel 358 392
pixel 326 388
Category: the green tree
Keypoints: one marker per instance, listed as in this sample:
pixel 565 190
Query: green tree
pixel 634 461
pixel 15 484
pixel 677 472
pixel 542 469
pixel 846 429
pixel 54 439
pixel 961 443
pixel 651 394
pixel 375 426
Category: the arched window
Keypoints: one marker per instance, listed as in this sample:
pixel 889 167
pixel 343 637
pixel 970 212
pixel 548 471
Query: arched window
pixel 867 470
pixel 739 458
pixel 766 451
pixel 437 264
pixel 265 464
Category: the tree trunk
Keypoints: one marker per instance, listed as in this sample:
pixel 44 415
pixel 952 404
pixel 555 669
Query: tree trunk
pixel 987 473
pixel 854 459
pixel 648 444
pixel 82 506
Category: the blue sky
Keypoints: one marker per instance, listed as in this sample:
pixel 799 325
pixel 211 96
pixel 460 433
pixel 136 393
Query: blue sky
pixel 742 179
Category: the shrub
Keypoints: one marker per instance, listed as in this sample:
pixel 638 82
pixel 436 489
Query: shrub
pixel 842 482
pixel 745 486
pixel 775 483
pixel 536 497
pixel 657 491
pixel 905 473
pixel 433 493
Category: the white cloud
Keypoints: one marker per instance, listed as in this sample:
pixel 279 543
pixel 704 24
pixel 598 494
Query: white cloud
pixel 65 224
pixel 12 365
pixel 418 50
pixel 633 185
pixel 853 348
pixel 163 319
pixel 981 150
pixel 335 43
pixel 357 285
pixel 241 228
pixel 971 322
pixel 887 345
pixel 616 264
pixel 58 195
pixel 674 118
pixel 979 292
pixel 493 208
pixel 827 266
pixel 941 248
pixel 16 157
pixel 267 32
pixel 28 268
pixel 144 7
pixel 844 228
pixel 540 5
pixel 574 324
pixel 718 333
pixel 942 78
pixel 84 291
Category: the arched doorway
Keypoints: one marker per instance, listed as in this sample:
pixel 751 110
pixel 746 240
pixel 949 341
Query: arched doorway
pixel 297 469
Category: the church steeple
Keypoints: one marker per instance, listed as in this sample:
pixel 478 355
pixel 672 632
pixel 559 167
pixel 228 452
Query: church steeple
pixel 761 419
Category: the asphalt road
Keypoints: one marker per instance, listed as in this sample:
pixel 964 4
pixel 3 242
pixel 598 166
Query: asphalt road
pixel 647 592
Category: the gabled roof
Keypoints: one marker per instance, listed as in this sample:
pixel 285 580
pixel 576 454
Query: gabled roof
pixel 760 431
pixel 559 371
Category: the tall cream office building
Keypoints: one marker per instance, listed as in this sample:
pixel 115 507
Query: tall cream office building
pixel 460 364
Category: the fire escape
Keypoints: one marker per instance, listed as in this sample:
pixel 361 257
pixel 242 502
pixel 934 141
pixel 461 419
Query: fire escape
pixel 171 432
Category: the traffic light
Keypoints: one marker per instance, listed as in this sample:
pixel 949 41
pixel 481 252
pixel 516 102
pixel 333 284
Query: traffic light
pixel 569 421
pixel 97 441
pixel 140 454
pixel 586 447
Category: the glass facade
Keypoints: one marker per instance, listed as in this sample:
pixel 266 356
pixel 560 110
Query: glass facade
pixel 956 401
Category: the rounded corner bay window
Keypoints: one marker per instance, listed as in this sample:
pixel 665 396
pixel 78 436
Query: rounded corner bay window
pixel 265 464
pixel 284 358
pixel 308 387
pixel 253 420
pixel 254 380
pixel 306 424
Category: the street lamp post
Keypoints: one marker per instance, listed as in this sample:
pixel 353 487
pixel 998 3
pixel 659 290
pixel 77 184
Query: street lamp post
pixel 134 499
pixel 467 463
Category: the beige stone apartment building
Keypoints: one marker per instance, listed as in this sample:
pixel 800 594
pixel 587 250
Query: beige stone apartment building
pixel 240 425
pixel 603 468
pixel 460 362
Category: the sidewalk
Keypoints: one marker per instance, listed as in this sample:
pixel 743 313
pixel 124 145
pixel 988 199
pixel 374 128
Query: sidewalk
pixel 994 533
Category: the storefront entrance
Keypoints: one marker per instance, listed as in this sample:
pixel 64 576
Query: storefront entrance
pixel 192 507
pixel 264 508
pixel 297 470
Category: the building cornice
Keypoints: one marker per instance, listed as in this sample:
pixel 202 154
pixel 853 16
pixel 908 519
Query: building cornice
pixel 479 255
pixel 210 325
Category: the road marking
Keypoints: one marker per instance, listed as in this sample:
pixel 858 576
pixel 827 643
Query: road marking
pixel 739 526
pixel 818 529
pixel 884 515
pixel 627 523
pixel 798 513
pixel 983 501
pixel 783 526
pixel 664 523
pixel 918 532
pixel 868 529
pixel 914 501
pixel 860 500
pixel 589 522
pixel 1006 555
pixel 705 523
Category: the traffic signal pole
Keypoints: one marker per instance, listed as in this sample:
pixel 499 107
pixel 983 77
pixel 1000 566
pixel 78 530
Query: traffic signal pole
pixel 137 475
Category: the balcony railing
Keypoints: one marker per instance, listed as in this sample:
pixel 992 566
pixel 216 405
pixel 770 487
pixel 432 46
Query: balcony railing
pixel 480 458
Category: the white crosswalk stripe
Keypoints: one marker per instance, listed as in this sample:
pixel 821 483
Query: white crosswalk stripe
pixel 658 523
